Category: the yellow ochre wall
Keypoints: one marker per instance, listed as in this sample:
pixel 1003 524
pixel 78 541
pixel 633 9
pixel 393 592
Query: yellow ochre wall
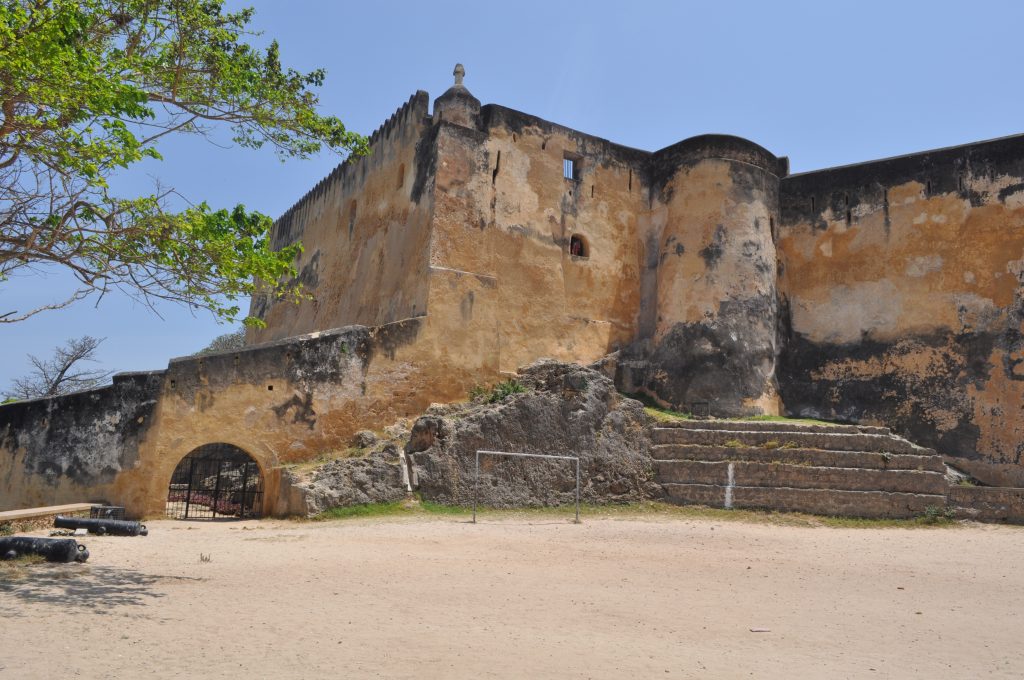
pixel 903 284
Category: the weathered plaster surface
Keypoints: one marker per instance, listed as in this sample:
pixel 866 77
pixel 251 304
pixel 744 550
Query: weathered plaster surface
pixel 903 289
pixel 281 403
pixel 714 335
pixel 365 232
pixel 78 446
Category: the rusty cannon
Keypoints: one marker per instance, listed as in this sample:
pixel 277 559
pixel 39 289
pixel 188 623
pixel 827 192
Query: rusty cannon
pixel 52 549
pixel 101 527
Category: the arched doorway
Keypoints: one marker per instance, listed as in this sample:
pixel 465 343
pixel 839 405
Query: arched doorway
pixel 216 481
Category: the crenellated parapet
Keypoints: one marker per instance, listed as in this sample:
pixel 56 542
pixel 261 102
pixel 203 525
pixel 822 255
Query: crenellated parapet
pixel 287 228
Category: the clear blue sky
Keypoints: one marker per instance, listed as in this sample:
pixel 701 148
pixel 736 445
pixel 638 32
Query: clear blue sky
pixel 825 83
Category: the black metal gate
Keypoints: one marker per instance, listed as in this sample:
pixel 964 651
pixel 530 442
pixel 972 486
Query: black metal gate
pixel 215 481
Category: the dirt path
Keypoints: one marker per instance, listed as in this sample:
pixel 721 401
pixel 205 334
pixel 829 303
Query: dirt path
pixel 429 597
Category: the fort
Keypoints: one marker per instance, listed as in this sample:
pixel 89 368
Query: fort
pixel 475 240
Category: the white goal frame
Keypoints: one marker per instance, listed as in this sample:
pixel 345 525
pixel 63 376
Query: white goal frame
pixel 476 473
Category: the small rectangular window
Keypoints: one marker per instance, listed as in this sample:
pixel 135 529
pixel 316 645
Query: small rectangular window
pixel 569 168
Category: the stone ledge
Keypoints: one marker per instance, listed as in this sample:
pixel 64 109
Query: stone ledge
pixel 773 426
pixel 780 475
pixel 875 443
pixel 811 457
pixel 987 503
pixel 871 504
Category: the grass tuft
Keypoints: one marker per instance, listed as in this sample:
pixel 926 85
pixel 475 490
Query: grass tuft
pixel 933 518
pixel 656 410
pixel 16 568
pixel 785 419
pixel 664 415
pixel 499 392
pixel 362 510
pixel 415 506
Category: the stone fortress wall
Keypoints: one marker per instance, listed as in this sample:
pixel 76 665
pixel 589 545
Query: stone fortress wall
pixel 901 288
pixel 280 402
pixel 678 273
pixel 365 229
pixel 701 275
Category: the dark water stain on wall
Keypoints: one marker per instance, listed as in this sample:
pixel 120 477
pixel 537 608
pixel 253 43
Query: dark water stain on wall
pixel 87 437
pixel 814 383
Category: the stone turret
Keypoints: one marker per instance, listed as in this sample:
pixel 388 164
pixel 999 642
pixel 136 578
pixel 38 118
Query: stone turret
pixel 714 347
pixel 458 105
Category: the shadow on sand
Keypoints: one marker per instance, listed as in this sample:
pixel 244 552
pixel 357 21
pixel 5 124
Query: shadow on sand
pixel 97 589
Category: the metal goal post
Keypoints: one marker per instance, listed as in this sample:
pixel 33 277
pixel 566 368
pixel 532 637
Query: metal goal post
pixel 476 473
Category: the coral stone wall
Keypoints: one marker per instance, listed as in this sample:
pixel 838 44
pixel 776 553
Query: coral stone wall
pixel 365 232
pixel 281 403
pixel 75 448
pixel 524 239
pixel 714 342
pixel 902 285
pixel 505 211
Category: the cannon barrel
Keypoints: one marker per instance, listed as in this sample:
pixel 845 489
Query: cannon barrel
pixel 113 527
pixel 53 549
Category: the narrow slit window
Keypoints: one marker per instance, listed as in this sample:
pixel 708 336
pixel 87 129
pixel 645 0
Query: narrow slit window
pixel 578 246
pixel 401 175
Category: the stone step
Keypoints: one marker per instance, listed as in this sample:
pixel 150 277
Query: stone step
pixel 780 475
pixel 987 503
pixel 819 457
pixel 815 501
pixel 804 440
pixel 774 426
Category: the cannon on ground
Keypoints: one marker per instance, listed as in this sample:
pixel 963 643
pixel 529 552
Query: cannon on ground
pixel 113 527
pixel 53 549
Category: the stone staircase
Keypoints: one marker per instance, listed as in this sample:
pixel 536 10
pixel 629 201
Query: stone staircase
pixel 848 470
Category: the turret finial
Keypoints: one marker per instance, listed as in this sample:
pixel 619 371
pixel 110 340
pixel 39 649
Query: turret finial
pixel 459 73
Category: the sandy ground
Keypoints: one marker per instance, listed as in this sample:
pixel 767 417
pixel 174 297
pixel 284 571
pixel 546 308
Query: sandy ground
pixel 533 597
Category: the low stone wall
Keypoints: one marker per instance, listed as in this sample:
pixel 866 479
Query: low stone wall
pixel 987 503
pixel 832 502
pixel 282 403
pixel 73 448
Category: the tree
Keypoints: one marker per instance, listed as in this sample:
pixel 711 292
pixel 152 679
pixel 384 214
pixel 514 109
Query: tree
pixel 89 87
pixel 63 372
pixel 223 343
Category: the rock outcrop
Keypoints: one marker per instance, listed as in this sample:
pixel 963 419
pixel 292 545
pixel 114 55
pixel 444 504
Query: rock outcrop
pixel 550 408
pixel 375 476
pixel 564 409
